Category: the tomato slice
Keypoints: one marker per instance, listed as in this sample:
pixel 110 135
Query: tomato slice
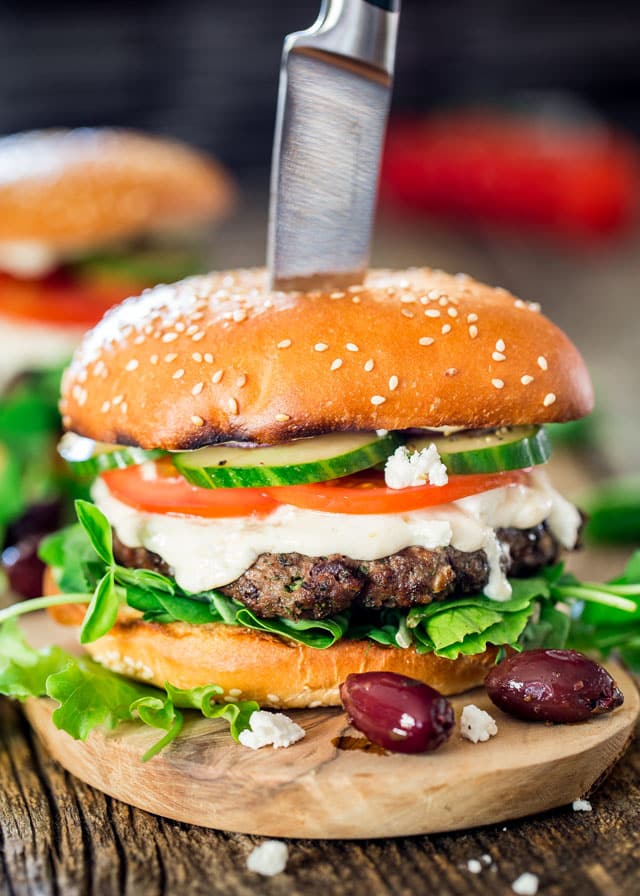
pixel 362 493
pixel 61 300
pixel 169 492
pixel 366 492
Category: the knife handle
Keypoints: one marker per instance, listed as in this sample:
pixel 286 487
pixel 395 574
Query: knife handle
pixel 388 5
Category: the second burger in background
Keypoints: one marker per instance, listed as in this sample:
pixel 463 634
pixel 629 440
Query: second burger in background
pixel 87 217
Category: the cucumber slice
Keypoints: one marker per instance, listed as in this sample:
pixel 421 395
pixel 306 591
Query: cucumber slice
pixel 294 463
pixel 502 449
pixel 88 459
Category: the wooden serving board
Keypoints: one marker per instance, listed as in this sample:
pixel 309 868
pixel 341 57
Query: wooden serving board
pixel 333 784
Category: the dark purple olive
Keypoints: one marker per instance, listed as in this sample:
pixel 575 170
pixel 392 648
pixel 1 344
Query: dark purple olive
pixel 37 519
pixel 23 567
pixel 552 686
pixel 396 712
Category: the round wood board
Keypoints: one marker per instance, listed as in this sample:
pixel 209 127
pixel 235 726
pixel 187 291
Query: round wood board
pixel 333 784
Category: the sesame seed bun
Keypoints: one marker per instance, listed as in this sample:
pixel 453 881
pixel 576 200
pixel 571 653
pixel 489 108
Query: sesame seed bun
pixel 221 357
pixel 252 665
pixel 74 190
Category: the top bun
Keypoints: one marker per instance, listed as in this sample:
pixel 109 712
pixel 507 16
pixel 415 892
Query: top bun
pixel 72 190
pixel 222 357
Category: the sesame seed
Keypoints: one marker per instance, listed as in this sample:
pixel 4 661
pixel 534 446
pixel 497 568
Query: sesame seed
pixel 180 327
pixel 356 300
pixel 378 399
pixel 197 357
pixel 197 389
pixel 424 300
pixel 282 418
pixel 432 312
pixel 426 340
pixel 178 374
pixel 446 328
pixel 153 359
pixel 407 299
pixel 473 331
pixel 548 399
pixel 198 336
pixel 131 365
pixel 241 381
pixel 285 343
pixel 443 301
pixel 542 363
pixel 452 312
pixel 117 399
pixel 192 329
pixel 208 358
pixel 472 318
pixel 351 347
pixel 105 406
pixel 139 339
pixel 498 356
pixel 233 405
pixel 451 371
pixel 526 379
pixel 123 407
pixel 519 303
pixel 217 376
pixel 369 365
pixel 239 315
pixel 337 364
pixel 407 313
pixel 197 420
pixel 499 384
pixel 336 295
pixel 320 346
pixel 169 337
pixel 170 357
pixel 534 306
pixel 433 293
pixel 500 346
pixel 393 383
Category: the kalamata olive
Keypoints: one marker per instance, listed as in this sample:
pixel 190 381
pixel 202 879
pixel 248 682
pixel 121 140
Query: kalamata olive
pixel 552 686
pixel 396 712
pixel 23 567
pixel 37 519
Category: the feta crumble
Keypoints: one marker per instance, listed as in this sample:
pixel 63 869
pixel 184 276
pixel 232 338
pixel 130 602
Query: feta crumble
pixel 476 724
pixel 581 806
pixel 404 470
pixel 270 728
pixel 474 866
pixel 526 884
pixel 268 859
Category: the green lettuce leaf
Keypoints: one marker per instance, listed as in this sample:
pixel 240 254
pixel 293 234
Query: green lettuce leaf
pixel 90 696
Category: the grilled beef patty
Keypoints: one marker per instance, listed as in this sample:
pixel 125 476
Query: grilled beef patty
pixel 299 587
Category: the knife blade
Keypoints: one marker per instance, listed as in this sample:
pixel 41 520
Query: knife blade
pixel 333 103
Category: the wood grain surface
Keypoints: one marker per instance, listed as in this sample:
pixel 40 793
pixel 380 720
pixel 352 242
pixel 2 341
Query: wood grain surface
pixel 330 786
pixel 60 836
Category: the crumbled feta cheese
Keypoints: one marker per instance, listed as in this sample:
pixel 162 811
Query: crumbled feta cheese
pixel 270 728
pixel 525 885
pixel 581 806
pixel 486 858
pixel 476 724
pixel 404 470
pixel 269 858
pixel 474 866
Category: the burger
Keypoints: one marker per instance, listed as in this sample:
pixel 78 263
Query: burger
pixel 87 217
pixel 290 487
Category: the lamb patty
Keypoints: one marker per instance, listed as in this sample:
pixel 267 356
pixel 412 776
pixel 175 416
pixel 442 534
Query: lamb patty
pixel 295 586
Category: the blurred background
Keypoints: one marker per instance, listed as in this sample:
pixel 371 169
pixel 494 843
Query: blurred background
pixel 512 150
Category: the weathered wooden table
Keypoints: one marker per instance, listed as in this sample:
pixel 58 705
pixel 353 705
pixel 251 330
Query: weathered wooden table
pixel 58 836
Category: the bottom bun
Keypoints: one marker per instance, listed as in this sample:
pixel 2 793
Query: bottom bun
pixel 252 665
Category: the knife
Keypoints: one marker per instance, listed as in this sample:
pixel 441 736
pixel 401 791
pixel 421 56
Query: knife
pixel 333 103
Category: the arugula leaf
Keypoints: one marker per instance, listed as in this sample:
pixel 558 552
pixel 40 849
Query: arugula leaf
pixel 549 631
pixel 203 699
pixel 102 611
pixel 98 529
pixel 613 510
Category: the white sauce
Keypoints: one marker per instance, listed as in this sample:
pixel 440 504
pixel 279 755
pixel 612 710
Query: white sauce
pixel 226 548
pixel 27 258
pixel 32 346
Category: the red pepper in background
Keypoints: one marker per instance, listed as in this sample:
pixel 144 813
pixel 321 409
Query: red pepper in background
pixel 578 181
